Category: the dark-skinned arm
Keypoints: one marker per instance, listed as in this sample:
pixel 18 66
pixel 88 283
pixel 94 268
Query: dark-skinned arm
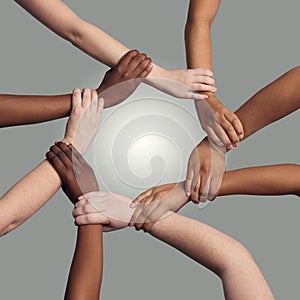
pixel 85 275
pixel 117 84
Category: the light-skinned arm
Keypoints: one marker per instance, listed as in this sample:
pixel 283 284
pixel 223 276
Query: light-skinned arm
pixel 59 18
pixel 226 257
pixel 36 188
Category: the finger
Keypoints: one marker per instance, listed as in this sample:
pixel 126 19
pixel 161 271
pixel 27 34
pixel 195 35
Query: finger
pixel 136 214
pixel 213 137
pixel 61 155
pixel 76 156
pixel 141 197
pixel 126 59
pixel 200 87
pixel 133 65
pixel 214 186
pixel 231 133
pixel 195 96
pixel 76 98
pixel 147 210
pixel 155 215
pixel 93 218
pixel 236 123
pixel 55 162
pixel 82 201
pixel 146 71
pixel 100 105
pixel 204 80
pixel 86 98
pixel 203 72
pixel 188 181
pixel 106 228
pixel 92 196
pixel 94 101
pixel 149 214
pixel 84 209
pixel 195 196
pixel 196 179
pixel 142 66
pixel 67 149
pixel 148 226
pixel 203 189
pixel 138 211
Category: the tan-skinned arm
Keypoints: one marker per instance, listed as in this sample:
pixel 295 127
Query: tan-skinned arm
pixel 275 101
pixel 223 126
pixel 201 15
pixel 281 179
pixel 277 180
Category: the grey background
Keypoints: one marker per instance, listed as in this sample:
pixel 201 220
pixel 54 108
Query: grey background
pixel 253 43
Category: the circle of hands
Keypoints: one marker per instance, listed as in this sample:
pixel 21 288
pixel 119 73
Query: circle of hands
pixel 206 165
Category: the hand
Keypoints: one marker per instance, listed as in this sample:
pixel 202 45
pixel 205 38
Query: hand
pixel 122 80
pixel 111 210
pixel 188 84
pixel 206 169
pixel 84 120
pixel 156 203
pixel 76 174
pixel 221 125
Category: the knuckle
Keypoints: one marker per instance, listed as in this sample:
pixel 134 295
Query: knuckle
pixel 205 169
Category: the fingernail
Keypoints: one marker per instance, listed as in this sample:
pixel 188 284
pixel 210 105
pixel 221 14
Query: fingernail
pixel 132 205
pixel 241 136
pixel 230 147
pixel 188 194
pixel 236 144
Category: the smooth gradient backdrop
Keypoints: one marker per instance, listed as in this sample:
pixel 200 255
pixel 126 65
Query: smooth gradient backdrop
pixel 253 43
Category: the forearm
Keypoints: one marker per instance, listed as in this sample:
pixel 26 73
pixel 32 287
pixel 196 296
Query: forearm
pixel 62 20
pixel 27 196
pixel 85 277
pixel 20 110
pixel 197 33
pixel 216 251
pixel 266 180
pixel 277 100
pixel 197 37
